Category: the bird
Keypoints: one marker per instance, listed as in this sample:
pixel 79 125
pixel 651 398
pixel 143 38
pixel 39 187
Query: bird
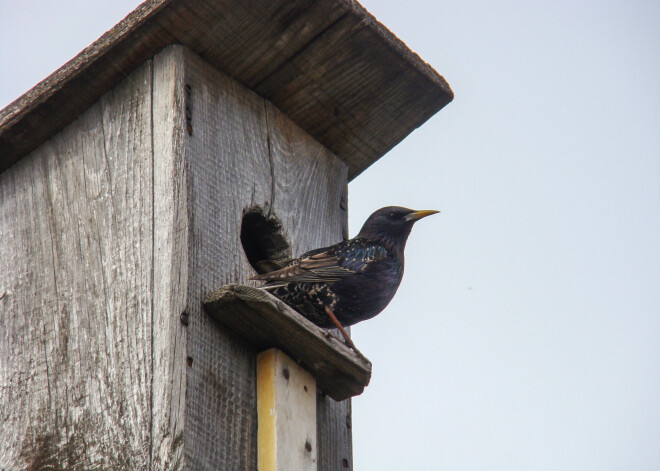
pixel 349 282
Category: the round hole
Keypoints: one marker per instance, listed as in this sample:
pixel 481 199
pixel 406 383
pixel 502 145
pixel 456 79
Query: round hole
pixel 262 239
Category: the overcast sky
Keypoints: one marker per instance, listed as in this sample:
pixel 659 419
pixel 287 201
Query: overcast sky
pixel 526 332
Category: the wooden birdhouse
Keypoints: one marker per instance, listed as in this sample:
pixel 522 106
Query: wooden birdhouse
pixel 192 140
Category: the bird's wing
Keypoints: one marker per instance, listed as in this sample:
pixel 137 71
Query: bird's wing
pixel 328 265
pixel 321 267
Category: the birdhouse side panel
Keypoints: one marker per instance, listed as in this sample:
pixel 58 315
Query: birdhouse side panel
pixel 243 156
pixel 76 223
pixel 226 168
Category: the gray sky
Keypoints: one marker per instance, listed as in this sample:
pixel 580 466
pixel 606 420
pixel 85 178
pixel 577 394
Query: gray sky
pixel 526 332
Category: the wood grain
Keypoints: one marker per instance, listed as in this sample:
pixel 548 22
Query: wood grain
pixel 335 437
pixel 170 261
pixel 286 405
pixel 76 261
pixel 227 171
pixel 330 66
pixel 243 153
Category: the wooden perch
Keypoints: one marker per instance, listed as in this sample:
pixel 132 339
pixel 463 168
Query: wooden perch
pixel 266 322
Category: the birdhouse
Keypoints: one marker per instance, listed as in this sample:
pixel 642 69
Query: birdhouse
pixel 140 185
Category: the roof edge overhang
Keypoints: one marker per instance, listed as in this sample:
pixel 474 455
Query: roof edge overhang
pixel 330 66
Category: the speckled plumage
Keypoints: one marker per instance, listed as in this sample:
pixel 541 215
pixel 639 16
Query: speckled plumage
pixel 355 279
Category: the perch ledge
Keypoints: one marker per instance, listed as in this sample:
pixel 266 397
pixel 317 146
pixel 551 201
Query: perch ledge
pixel 266 322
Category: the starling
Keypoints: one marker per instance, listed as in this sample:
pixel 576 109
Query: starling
pixel 348 282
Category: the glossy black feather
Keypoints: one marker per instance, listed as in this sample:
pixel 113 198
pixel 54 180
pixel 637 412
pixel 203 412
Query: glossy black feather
pixel 355 279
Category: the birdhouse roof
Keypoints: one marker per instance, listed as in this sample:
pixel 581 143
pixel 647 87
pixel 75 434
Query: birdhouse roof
pixel 330 66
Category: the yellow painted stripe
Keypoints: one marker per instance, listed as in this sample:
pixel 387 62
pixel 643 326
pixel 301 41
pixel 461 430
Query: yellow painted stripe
pixel 266 431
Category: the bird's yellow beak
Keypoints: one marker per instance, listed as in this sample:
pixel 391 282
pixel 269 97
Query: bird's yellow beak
pixel 414 216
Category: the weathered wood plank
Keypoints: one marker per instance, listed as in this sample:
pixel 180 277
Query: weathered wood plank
pixel 76 261
pixel 330 66
pixel 243 153
pixel 227 171
pixel 339 110
pixel 265 322
pixel 170 261
pixel 335 439
pixel 286 405
pixel 293 183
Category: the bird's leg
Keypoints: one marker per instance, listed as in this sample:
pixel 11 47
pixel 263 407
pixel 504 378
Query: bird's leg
pixel 347 339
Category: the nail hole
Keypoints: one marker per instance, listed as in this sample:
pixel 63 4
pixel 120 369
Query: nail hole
pixel 189 361
pixel 344 463
pixel 285 373
pixel 308 446
pixel 263 240
pixel 305 387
